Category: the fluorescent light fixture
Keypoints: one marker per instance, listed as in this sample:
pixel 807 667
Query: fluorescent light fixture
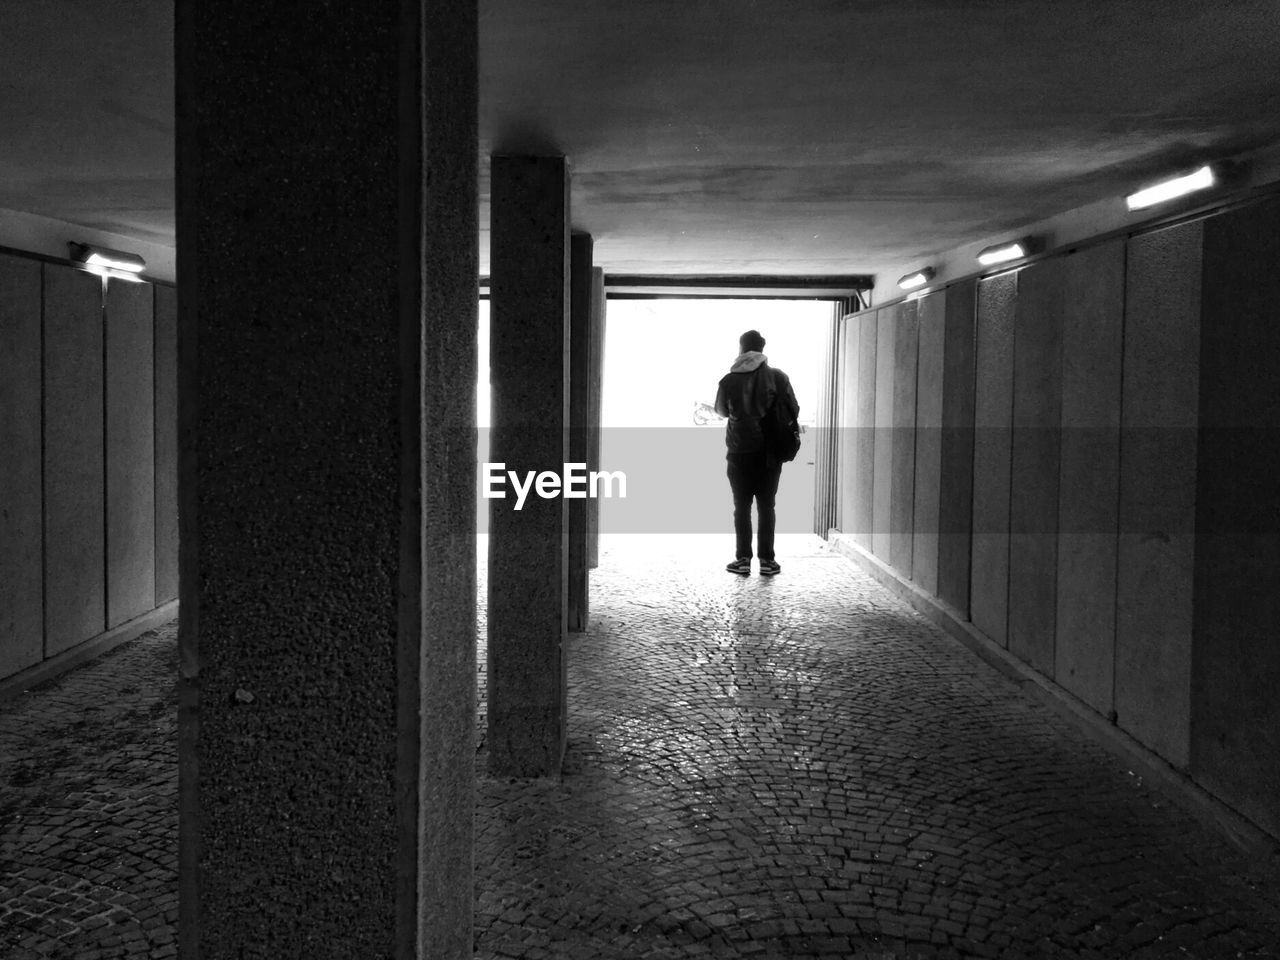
pixel 1004 252
pixel 108 273
pixel 917 279
pixel 1169 189
pixel 104 259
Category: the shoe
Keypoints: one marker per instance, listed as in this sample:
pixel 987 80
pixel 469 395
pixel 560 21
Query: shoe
pixel 741 567
pixel 769 567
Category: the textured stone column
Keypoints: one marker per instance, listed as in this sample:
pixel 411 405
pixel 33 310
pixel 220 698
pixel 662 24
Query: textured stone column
pixel 326 249
pixel 595 401
pixel 580 303
pixel 528 547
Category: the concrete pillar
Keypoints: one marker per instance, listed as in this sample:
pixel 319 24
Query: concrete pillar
pixel 595 401
pixel 326 249
pixel 528 547
pixel 580 303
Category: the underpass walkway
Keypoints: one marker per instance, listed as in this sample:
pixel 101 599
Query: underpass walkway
pixel 802 766
pixel 795 767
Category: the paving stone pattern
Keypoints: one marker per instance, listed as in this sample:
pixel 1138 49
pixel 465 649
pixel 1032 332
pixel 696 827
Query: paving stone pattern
pixel 799 767
pixel 88 809
pixel 803 767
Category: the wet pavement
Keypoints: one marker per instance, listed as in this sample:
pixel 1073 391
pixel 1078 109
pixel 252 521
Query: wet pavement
pixel 795 767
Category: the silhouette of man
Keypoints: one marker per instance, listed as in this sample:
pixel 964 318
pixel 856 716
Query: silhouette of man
pixel 745 395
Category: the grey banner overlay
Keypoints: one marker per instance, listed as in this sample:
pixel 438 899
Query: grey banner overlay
pixel 676 481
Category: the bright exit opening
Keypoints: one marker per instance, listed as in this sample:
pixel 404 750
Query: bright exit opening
pixel 662 361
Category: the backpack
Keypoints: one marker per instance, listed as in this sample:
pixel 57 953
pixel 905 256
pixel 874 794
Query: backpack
pixel 781 433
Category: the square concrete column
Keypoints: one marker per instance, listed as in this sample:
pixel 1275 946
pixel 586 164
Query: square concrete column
pixel 580 424
pixel 528 541
pixel 326 190
pixel 595 401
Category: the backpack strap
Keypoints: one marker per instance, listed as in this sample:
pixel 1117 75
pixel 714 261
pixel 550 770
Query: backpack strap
pixel 751 391
pixel 773 382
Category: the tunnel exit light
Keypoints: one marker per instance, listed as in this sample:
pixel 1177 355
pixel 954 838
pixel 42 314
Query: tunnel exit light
pixel 1169 189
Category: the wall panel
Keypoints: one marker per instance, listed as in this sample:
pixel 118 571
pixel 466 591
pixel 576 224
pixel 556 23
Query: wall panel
pixel 1104 479
pixel 166 453
pixel 886 333
pixel 1089 477
pixel 835 454
pixel 902 481
pixel 993 417
pixel 846 431
pixel 825 455
pixel 21 559
pixel 130 451
pixel 865 439
pixel 1156 546
pixel 955 493
pixel 928 451
pixel 1235 657
pixel 75 608
pixel 1033 480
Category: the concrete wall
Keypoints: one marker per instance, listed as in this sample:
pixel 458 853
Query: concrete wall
pixel 992 443
pixel 955 492
pixel 1156 545
pixel 1235 656
pixel 1102 498
pixel 89 435
pixel 22 558
pixel 886 327
pixel 925 517
pixel 826 445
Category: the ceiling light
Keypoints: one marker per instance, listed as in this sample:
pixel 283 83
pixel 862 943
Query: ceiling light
pixel 1168 189
pixel 105 259
pixel 108 274
pixel 1004 252
pixel 916 279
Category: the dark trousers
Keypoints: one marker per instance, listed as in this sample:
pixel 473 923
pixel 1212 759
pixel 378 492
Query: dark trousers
pixel 753 480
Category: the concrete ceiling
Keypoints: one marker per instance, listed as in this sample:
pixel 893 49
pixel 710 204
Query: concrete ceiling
pixel 738 136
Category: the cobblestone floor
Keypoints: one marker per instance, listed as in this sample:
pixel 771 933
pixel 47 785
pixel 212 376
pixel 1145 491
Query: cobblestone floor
pixel 803 767
pixel 791 768
pixel 88 810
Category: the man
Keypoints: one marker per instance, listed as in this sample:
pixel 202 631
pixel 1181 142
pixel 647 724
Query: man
pixel 745 396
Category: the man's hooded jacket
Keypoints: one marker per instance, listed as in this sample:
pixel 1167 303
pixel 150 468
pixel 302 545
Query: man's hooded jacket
pixel 745 395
